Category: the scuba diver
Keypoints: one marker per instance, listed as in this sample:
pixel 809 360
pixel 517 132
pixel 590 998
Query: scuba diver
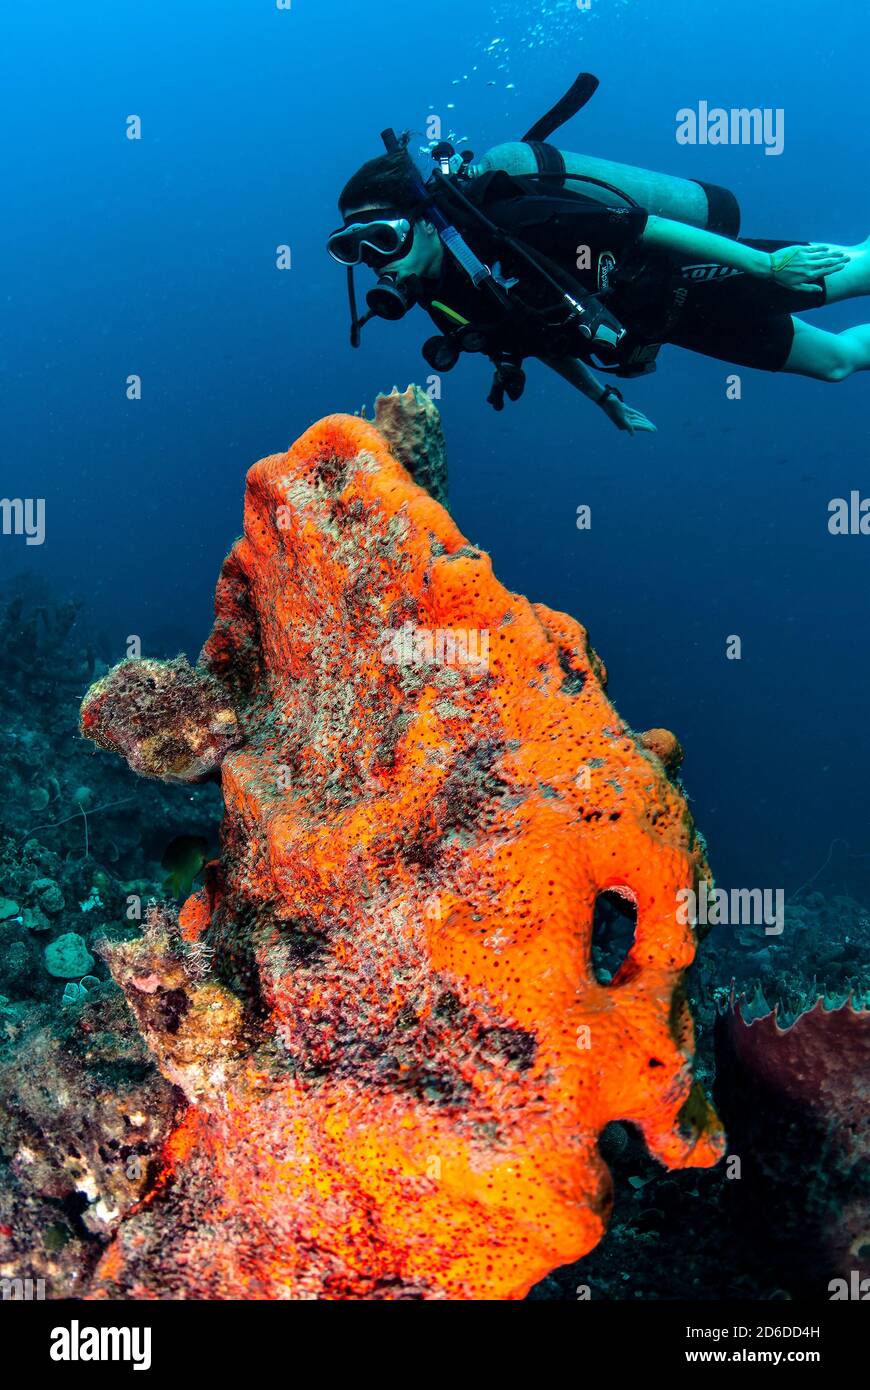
pixel 587 265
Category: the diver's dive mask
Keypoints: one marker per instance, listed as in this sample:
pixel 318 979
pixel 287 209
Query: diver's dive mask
pixel 375 242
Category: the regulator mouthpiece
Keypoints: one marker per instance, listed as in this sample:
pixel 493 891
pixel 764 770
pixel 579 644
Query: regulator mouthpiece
pixel 389 298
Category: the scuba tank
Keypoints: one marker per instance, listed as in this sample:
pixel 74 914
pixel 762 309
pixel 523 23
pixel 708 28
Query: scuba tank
pixel 662 195
pixel 699 204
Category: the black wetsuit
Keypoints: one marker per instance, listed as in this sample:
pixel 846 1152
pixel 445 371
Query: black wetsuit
pixel 593 242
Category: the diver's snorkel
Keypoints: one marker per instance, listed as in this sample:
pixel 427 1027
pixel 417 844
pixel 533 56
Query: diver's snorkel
pixel 388 299
pixel 356 323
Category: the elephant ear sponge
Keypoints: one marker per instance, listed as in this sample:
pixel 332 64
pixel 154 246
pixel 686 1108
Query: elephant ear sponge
pixel 432 793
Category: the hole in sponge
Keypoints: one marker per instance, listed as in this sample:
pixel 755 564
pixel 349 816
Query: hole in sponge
pixel 614 922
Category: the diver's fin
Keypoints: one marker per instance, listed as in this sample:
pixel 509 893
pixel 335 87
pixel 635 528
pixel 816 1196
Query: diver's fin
pixel 583 89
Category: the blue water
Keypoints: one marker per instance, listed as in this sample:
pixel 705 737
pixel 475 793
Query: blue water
pixel 157 257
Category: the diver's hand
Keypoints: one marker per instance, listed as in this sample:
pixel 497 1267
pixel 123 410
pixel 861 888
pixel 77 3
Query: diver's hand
pixel 625 417
pixel 796 267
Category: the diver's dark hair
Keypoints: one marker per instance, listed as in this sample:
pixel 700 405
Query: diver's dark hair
pixel 390 181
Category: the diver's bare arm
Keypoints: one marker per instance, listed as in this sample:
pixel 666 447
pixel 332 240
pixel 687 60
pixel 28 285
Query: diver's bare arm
pixel 578 374
pixel 623 416
pixel 796 267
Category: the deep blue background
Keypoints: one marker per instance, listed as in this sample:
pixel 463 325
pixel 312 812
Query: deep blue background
pixel 158 258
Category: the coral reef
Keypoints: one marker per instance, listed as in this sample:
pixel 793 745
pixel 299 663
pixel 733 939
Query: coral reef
pixel 83 1118
pixel 80 846
pixel 78 835
pixel 382 1007
pixel 85 1114
pixel 823 949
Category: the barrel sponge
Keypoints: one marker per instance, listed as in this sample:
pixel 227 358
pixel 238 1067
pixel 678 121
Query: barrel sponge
pixel 432 792
pixel 795 1093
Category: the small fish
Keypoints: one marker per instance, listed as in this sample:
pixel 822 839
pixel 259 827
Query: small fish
pixel 184 857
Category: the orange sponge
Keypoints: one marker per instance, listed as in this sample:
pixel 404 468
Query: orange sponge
pixel 399 1060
